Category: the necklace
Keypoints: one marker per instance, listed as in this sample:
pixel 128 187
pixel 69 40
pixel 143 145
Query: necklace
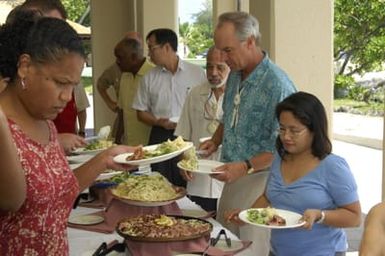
pixel 212 112
pixel 237 102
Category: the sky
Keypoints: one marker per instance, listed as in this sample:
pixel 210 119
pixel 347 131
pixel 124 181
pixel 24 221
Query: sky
pixel 188 7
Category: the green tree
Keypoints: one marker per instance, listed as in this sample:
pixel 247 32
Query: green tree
pixel 359 35
pixel 198 36
pixel 76 9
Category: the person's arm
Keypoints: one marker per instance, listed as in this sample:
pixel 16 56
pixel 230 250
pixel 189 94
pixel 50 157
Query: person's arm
pixel 103 83
pixel 82 104
pixel 234 170
pixel 82 118
pixel 211 145
pixel 148 118
pixel 87 172
pixel 345 216
pixel 13 188
pixel 70 141
pixel 372 242
pixel 233 215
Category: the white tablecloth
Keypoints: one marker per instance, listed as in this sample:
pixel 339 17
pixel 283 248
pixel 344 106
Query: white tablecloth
pixel 84 243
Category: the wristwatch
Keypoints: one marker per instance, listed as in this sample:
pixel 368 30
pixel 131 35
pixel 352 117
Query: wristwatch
pixel 321 220
pixel 250 168
pixel 81 133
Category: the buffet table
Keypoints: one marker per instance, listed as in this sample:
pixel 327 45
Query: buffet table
pixel 82 242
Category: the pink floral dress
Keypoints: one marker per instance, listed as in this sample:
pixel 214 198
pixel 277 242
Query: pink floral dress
pixel 39 227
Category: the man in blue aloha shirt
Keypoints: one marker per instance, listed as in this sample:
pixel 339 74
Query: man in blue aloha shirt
pixel 248 129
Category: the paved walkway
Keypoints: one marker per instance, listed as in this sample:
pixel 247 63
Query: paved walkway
pixel 357 129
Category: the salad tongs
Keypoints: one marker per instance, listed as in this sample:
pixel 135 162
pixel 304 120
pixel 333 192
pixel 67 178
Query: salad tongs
pixel 215 240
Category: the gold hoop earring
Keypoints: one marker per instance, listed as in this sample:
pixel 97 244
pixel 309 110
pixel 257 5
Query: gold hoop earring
pixel 23 84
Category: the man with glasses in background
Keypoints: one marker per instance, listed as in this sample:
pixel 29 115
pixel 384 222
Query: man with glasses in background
pixel 162 93
pixel 200 118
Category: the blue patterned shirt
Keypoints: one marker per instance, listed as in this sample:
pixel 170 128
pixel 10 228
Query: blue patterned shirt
pixel 255 131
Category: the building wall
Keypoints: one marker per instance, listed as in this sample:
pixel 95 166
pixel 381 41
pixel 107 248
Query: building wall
pixel 109 23
pixel 299 36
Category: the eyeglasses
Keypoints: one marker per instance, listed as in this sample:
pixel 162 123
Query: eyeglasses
pixel 292 133
pixel 152 48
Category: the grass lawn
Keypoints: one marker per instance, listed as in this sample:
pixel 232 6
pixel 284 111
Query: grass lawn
pixel 359 107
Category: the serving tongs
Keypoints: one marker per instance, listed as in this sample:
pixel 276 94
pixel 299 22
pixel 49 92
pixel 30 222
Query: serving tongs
pixel 214 241
pixel 105 249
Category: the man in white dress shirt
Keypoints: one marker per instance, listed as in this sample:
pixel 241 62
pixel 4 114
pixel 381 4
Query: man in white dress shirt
pixel 200 118
pixel 162 93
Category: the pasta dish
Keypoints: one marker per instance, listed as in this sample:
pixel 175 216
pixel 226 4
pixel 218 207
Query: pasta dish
pixel 149 188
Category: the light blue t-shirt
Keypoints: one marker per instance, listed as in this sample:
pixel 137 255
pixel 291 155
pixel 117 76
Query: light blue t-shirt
pixel 254 132
pixel 330 185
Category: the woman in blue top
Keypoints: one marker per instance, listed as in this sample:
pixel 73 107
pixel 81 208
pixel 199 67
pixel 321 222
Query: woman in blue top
pixel 308 179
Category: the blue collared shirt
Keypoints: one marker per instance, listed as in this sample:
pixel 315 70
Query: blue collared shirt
pixel 255 131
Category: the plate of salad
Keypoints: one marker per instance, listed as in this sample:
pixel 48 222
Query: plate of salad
pixel 271 218
pixel 94 147
pixel 155 153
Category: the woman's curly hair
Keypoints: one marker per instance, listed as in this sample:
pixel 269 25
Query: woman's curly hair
pixel 13 39
pixel 44 39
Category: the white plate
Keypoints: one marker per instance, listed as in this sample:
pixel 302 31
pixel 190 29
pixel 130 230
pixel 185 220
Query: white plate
pixel 174 119
pixel 75 159
pixel 181 193
pixel 196 213
pixel 235 245
pixel 83 150
pixel 204 166
pixel 88 219
pixel 122 157
pixel 74 166
pixel 107 175
pixel 292 219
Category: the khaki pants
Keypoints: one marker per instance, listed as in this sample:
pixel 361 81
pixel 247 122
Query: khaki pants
pixel 242 194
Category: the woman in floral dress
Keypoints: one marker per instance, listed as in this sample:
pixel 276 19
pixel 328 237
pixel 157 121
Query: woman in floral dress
pixel 42 60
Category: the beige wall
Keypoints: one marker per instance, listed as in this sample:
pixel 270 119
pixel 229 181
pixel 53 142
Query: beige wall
pixel 157 14
pixel 262 10
pixel 383 161
pixel 301 42
pixel 109 23
pixel 221 6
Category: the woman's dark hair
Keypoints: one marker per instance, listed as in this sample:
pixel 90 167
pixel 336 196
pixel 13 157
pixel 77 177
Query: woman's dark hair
pixel 13 39
pixel 44 39
pixel 46 6
pixel 163 36
pixel 309 110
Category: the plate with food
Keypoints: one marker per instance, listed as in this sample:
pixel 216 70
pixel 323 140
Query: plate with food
pixel 107 174
pixel 93 147
pixel 155 153
pixel 201 166
pixel 163 228
pixel 147 190
pixel 77 159
pixel 87 219
pixel 271 218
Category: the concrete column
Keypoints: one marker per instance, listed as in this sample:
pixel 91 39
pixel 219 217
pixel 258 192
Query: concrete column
pixel 154 14
pixel 383 160
pixel 109 23
pixel 299 36
pixel 221 6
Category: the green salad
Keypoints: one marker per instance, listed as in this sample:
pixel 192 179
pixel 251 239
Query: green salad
pixel 98 144
pixel 261 216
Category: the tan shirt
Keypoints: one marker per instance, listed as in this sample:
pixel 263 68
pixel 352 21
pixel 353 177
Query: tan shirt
pixel 135 132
